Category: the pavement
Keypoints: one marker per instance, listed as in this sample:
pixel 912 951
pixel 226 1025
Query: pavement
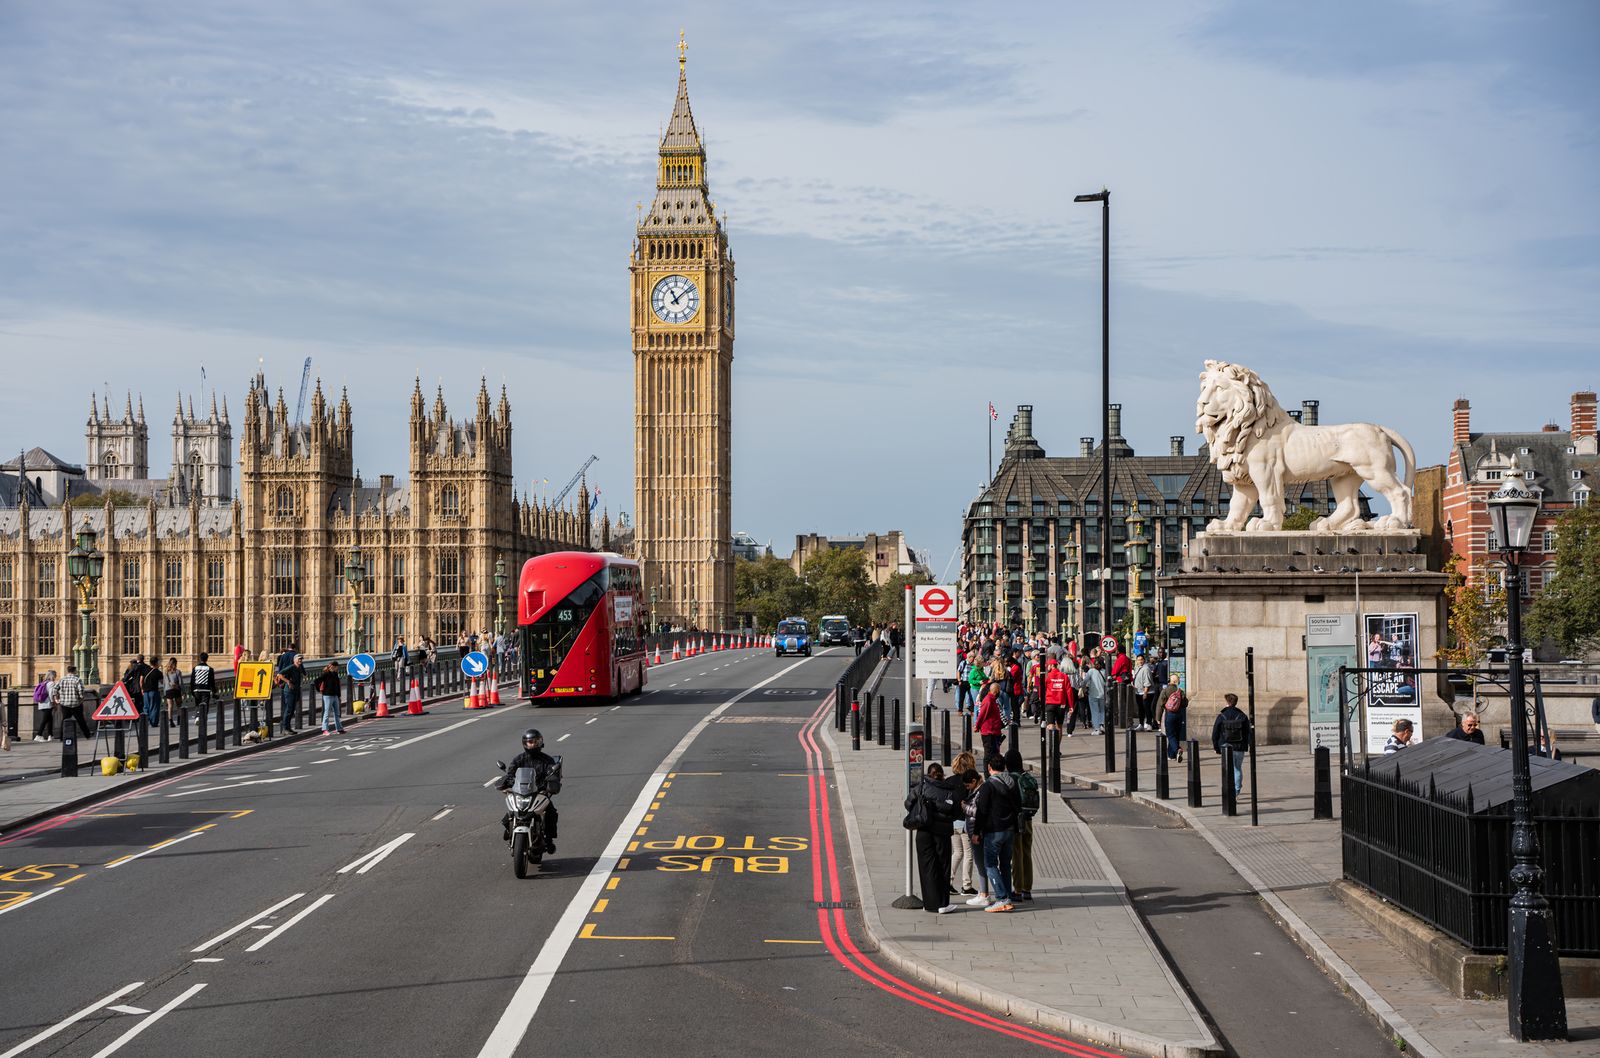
pixel 1077 959
pixel 1289 860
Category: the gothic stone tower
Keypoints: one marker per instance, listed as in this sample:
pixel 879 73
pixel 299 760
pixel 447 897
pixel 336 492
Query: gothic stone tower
pixel 118 450
pixel 682 315
pixel 202 456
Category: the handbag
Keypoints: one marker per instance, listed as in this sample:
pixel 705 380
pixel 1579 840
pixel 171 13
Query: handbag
pixel 917 815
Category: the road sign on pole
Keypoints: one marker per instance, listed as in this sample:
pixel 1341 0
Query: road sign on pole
pixel 118 705
pixel 361 667
pixel 474 664
pixel 253 681
pixel 934 626
pixel 1108 644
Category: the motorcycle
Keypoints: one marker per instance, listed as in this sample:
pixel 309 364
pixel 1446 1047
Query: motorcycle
pixel 526 805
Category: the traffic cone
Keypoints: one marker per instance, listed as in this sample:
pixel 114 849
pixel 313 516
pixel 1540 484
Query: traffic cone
pixel 658 653
pixel 494 692
pixel 472 695
pixel 677 650
pixel 414 700
pixel 383 703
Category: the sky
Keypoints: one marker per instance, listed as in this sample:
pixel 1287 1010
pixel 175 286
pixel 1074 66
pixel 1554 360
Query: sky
pixel 1380 205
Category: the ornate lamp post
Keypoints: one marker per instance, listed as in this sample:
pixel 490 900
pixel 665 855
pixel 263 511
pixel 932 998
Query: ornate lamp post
pixel 654 597
pixel 500 595
pixel 86 565
pixel 1072 587
pixel 355 571
pixel 1535 1003
pixel 694 614
pixel 1138 549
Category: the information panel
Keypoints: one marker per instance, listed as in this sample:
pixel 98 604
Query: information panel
pixel 933 646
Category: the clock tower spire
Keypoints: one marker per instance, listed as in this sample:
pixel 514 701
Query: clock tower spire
pixel 681 311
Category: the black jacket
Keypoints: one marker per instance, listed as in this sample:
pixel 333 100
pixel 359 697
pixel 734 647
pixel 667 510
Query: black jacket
pixel 944 804
pixel 543 765
pixel 999 803
pixel 1231 728
pixel 1461 736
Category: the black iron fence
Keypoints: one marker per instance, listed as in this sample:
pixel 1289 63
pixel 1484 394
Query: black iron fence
pixel 1441 849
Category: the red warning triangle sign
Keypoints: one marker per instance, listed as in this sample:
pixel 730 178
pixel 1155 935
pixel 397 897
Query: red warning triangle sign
pixel 118 705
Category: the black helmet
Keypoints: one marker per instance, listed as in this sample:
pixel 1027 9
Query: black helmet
pixel 532 735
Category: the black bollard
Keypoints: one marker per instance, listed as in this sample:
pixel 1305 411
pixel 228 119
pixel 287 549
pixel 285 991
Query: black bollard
pixel 238 723
pixel 202 740
pixel 165 743
pixel 855 724
pixel 927 730
pixel 1230 796
pixel 895 734
pixel 1014 736
pixel 839 699
pixel 143 731
pixel 1195 798
pixel 883 734
pixel 866 720
pixel 222 733
pixel 1044 773
pixel 1130 771
pixel 183 733
pixel 1322 786
pixel 1110 731
pixel 11 715
pixel 120 741
pixel 69 748
pixel 944 737
pixel 1163 779
pixel 1055 760
pixel 966 731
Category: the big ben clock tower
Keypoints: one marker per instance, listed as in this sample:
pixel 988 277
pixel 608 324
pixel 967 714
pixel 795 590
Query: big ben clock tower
pixel 682 317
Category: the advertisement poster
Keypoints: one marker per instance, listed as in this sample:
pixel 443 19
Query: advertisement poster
pixel 1330 643
pixel 1178 650
pixel 1389 645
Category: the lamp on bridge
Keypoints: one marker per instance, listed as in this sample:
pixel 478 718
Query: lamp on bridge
pixel 1536 1005
pixel 1071 567
pixel 355 571
pixel 1138 552
pixel 654 596
pixel 500 595
pixel 86 565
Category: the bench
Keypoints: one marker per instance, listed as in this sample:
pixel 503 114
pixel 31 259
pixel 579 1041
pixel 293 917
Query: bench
pixel 1573 743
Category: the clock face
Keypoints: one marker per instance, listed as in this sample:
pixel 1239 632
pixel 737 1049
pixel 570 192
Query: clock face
pixel 675 299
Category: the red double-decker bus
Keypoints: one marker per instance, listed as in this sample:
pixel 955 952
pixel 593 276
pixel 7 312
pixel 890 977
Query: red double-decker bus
pixel 582 626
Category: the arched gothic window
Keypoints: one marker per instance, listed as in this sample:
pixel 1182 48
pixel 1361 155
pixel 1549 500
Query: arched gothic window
pixel 285 502
pixel 450 502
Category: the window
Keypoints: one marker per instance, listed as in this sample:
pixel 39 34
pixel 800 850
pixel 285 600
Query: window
pixel 216 636
pixel 130 636
pixel 172 636
pixel 448 581
pixel 449 626
pixel 1580 497
pixel 450 502
pixel 47 578
pixel 7 588
pixel 285 574
pixel 174 578
pixel 1491 475
pixel 1577 475
pixel 285 502
pixel 1522 451
pixel 1492 542
pixel 397 628
pixel 1549 540
pixel 7 642
pixel 47 637
pixel 216 577
pixel 397 575
pixel 130 578
pixel 285 631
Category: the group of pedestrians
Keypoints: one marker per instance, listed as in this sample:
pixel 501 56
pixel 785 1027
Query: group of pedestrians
pixel 51 694
pixel 975 828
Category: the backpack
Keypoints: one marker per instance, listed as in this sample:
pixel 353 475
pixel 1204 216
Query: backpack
pixel 918 815
pixel 1233 730
pixel 1028 785
pixel 1173 701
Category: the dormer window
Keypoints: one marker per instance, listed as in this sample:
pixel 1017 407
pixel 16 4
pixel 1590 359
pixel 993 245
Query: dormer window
pixel 1527 475
pixel 1580 497
pixel 1522 451
pixel 1491 475
pixel 1577 475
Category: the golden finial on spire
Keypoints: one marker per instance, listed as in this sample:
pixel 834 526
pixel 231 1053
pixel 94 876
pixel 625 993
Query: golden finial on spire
pixel 683 52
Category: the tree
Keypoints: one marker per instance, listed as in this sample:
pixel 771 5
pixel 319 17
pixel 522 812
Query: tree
pixel 769 588
pixel 1475 611
pixel 889 601
pixel 1568 610
pixel 1299 519
pixel 838 582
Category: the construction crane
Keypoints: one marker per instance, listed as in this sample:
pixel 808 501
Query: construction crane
pixel 587 463
pixel 305 382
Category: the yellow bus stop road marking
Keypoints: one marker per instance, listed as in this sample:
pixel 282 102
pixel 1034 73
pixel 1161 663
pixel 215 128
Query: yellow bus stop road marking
pixel 600 905
pixel 612 884
pixel 588 933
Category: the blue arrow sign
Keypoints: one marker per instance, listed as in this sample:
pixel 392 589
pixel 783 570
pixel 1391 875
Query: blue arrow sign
pixel 475 664
pixel 361 667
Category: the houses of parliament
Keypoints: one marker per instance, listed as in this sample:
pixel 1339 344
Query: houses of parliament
pixel 192 566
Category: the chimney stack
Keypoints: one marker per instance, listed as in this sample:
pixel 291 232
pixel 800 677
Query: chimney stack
pixel 386 483
pixel 1585 423
pixel 1177 444
pixel 1294 415
pixel 1308 412
pixel 1086 446
pixel 1462 431
pixel 1116 421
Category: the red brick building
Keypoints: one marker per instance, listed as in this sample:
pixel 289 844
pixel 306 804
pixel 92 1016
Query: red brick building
pixel 1561 465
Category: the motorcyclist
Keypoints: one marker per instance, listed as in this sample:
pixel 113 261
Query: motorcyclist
pixel 543 765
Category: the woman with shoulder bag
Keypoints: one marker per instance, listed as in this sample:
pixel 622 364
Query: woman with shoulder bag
pixel 1174 717
pixel 43 710
pixel 934 805
pixel 172 688
pixel 961 860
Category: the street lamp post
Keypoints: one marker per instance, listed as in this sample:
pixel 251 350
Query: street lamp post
pixel 1535 1003
pixel 654 596
pixel 355 571
pixel 1103 197
pixel 1138 549
pixel 86 565
pixel 1072 587
pixel 500 595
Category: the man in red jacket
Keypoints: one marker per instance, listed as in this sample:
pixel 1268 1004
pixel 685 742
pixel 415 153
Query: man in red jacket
pixel 989 725
pixel 1121 666
pixel 1057 696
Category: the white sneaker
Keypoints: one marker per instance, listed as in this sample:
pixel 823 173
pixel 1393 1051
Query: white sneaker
pixel 978 901
pixel 38 738
pixel 948 908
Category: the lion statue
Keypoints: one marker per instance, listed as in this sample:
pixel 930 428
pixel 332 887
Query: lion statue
pixel 1259 448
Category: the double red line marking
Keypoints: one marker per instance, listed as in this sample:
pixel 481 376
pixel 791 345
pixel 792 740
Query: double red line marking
pixel 836 934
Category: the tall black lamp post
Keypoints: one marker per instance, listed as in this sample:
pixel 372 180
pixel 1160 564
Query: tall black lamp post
pixel 1535 1003
pixel 1104 198
pixel 500 596
pixel 85 565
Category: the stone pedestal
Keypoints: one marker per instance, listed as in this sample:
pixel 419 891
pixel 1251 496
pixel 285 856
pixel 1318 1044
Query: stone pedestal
pixel 1242 590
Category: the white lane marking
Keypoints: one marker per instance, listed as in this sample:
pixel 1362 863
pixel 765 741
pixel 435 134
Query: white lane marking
pixel 591 720
pixel 363 753
pixel 430 734
pixel 441 815
pixel 376 856
pixel 281 930
pixel 564 737
pixel 234 785
pixel 291 767
pixel 125 1009
pixel 208 960
pixel 325 760
pixel 172 1005
pixel 30 900
pixel 252 920
pixel 614 708
pixel 73 1020
pixel 524 1005
pixel 153 848
pixel 491 782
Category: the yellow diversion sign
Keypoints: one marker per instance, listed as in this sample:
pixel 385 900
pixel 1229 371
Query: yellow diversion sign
pixel 254 680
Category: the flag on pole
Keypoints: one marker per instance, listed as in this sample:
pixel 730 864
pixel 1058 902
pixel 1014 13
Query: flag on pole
pixel 993 414
pixel 596 501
